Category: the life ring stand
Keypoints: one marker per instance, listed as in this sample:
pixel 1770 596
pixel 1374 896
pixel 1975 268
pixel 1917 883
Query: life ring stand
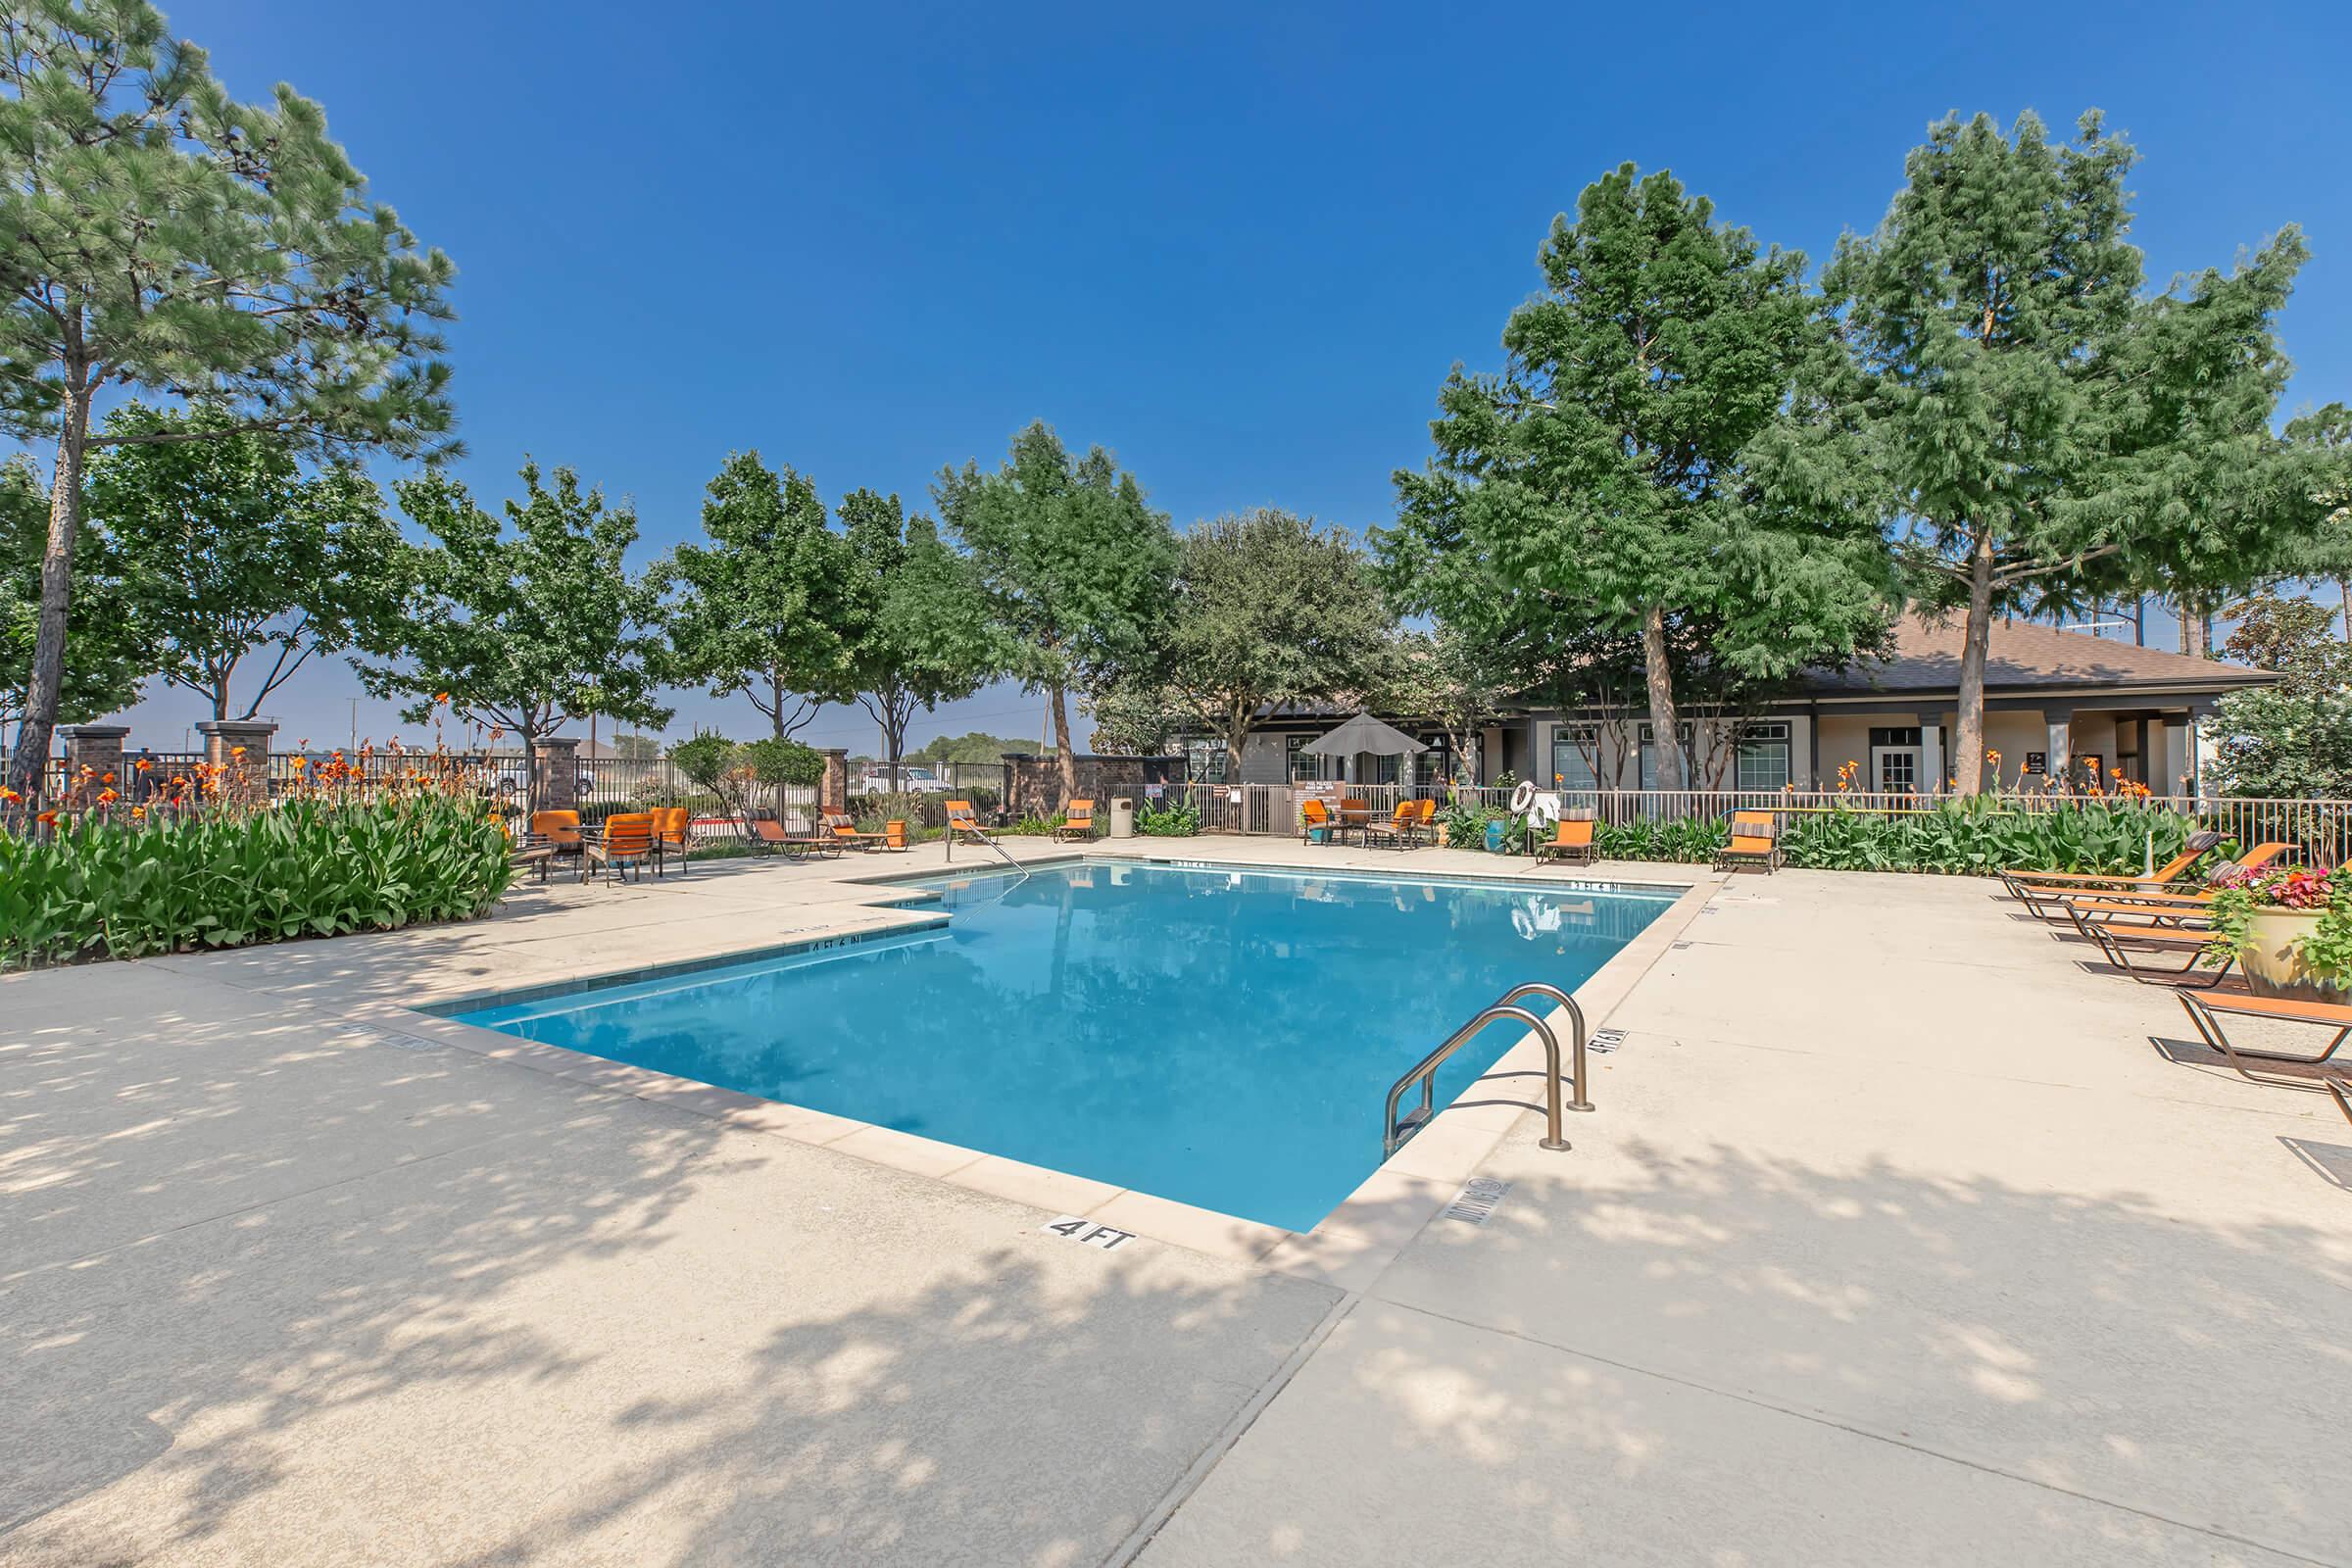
pixel 1523 797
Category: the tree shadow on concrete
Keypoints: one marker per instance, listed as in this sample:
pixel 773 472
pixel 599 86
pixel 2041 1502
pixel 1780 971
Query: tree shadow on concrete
pixel 604 1331
pixel 1713 1355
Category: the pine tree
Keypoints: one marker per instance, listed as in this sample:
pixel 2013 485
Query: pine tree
pixel 157 234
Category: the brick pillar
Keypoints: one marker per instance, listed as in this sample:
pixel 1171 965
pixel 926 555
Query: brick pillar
pixel 241 749
pixel 98 748
pixel 556 788
pixel 833 795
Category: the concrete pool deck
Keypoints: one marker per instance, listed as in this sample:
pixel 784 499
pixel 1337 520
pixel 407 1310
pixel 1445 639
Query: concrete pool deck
pixel 1896 1237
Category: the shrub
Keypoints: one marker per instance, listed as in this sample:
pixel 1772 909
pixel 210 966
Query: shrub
pixel 1179 821
pixel 100 886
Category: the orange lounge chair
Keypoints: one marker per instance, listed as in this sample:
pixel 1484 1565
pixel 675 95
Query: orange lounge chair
pixel 1755 842
pixel 770 836
pixel 2206 1011
pixel 1078 821
pixel 625 845
pixel 964 823
pixel 2026 885
pixel 1426 822
pixel 2125 901
pixel 2123 945
pixel 1571 840
pixel 1313 815
pixel 844 829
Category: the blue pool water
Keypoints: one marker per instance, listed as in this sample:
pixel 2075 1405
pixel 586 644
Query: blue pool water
pixel 1216 1037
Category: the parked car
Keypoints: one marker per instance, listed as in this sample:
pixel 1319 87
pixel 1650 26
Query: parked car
pixel 913 780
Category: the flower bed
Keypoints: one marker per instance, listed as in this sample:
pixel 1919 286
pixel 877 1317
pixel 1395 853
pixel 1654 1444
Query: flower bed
pixel 104 884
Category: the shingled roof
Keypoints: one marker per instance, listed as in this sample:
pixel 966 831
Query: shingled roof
pixel 2020 656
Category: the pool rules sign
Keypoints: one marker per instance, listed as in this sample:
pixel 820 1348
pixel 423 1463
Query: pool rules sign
pixel 1107 1237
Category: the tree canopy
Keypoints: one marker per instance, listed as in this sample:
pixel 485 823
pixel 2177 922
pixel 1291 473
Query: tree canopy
pixel 229 550
pixel 925 636
pixel 1074 558
pixel 157 234
pixel 112 652
pixel 525 625
pixel 768 608
pixel 1615 479
pixel 1268 609
pixel 2293 738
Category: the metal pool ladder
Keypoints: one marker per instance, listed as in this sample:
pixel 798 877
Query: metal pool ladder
pixel 1395 1131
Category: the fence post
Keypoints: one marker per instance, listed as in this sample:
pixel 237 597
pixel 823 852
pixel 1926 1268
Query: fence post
pixel 833 795
pixel 557 786
pixel 241 749
pixel 98 748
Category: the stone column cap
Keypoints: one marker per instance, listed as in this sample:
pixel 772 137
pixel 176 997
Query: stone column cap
pixel 550 741
pixel 93 732
pixel 239 727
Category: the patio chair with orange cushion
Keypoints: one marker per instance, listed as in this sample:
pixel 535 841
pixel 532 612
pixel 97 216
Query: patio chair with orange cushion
pixel 1755 842
pixel 1425 818
pixel 559 831
pixel 1078 821
pixel 1399 831
pixel 1354 812
pixel 1313 815
pixel 1571 840
pixel 625 845
pixel 893 835
pixel 2036 887
pixel 2207 1011
pixel 673 829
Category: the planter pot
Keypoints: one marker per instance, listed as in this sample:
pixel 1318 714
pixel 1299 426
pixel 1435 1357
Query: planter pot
pixel 2273 961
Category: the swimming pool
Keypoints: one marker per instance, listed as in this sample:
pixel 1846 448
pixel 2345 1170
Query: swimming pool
pixel 1217 1036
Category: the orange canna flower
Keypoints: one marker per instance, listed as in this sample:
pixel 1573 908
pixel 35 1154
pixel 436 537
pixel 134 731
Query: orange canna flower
pixel 143 765
pixel 236 751
pixel 105 778
pixel 46 818
pixel 301 763
pixel 440 698
pixel 137 812
pixel 108 797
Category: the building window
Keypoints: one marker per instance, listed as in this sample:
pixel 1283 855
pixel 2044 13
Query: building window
pixel 1763 757
pixel 1207 757
pixel 1305 766
pixel 1383 769
pixel 1433 767
pixel 1575 747
pixel 1649 755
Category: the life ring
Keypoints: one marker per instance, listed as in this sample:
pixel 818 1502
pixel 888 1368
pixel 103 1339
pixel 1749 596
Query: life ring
pixel 1523 797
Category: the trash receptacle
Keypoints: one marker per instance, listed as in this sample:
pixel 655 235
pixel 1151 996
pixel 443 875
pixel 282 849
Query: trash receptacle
pixel 1495 831
pixel 1122 818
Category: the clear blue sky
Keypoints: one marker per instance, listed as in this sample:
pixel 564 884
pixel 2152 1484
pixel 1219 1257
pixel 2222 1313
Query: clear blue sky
pixel 1241 246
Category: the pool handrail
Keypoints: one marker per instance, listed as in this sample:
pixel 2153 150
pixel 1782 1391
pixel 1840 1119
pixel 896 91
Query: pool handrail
pixel 1394 1134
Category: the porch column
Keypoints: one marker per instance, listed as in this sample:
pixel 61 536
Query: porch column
pixel 2179 756
pixel 1930 754
pixel 2061 729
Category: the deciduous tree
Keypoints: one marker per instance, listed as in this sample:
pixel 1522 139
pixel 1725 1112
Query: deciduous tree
pixel 1268 609
pixel 924 636
pixel 525 626
pixel 766 609
pixel 231 551
pixel 2294 738
pixel 155 234
pixel 1617 476
pixel 1075 561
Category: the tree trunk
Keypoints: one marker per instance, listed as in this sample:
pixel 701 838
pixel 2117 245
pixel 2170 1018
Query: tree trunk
pixel 1968 766
pixel 28 767
pixel 775 711
pixel 1663 724
pixel 2343 591
pixel 1061 743
pixel 531 798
